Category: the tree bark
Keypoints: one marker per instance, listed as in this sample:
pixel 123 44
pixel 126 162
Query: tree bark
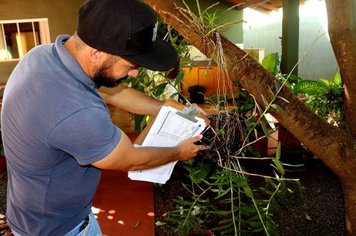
pixel 349 188
pixel 334 146
pixel 342 32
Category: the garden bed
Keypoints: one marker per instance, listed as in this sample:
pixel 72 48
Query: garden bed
pixel 318 209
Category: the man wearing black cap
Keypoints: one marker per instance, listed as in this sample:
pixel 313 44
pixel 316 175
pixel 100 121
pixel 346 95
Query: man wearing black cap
pixel 57 130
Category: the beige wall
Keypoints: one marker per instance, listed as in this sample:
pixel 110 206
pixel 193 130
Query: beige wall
pixel 61 14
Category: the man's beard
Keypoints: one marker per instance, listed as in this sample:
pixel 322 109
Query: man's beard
pixel 101 78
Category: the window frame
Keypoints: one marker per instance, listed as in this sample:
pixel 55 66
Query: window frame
pixel 43 34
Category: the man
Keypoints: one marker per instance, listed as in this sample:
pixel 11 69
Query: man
pixel 57 130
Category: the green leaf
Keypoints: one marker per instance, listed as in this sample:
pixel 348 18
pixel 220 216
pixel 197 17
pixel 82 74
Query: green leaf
pixel 310 87
pixel 282 98
pixel 223 227
pixel 179 78
pixel 277 107
pixel 264 101
pixel 138 122
pixel 259 108
pixel 199 172
pixel 218 212
pixel 279 165
pixel 255 224
pixel 221 132
pixel 307 217
pixel 277 85
pixel 160 89
pixel 326 82
pixel 278 151
pixel 160 223
pixel 271 62
pixel 264 129
pixel 249 210
pixel 223 192
pixel 248 191
pixel 337 79
pixel 173 95
pixel 293 79
pixel 239 181
pixel 218 183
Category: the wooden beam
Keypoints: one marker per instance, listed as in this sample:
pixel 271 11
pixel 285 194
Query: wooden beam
pixel 241 4
pixel 238 3
pixel 265 6
pixel 269 6
pixel 262 10
pixel 276 3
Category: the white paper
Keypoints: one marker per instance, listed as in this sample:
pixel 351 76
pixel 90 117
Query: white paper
pixel 168 130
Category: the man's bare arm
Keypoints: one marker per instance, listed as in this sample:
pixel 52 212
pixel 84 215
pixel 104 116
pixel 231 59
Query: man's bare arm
pixel 127 157
pixel 131 100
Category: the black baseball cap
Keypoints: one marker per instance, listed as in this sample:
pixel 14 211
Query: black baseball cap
pixel 125 28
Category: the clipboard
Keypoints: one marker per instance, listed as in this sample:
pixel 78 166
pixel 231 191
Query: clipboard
pixel 184 111
pixel 164 131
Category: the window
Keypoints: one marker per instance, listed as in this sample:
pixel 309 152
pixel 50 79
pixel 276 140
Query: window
pixel 17 37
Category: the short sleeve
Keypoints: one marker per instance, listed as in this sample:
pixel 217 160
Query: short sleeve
pixel 88 135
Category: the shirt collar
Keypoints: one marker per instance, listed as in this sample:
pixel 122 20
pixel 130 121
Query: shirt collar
pixel 70 63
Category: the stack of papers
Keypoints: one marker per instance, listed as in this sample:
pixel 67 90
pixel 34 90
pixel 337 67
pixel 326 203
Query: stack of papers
pixel 168 129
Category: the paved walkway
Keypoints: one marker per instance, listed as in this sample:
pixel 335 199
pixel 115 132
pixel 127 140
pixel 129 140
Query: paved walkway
pixel 124 207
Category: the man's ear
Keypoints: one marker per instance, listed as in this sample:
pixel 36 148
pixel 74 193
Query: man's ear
pixel 95 55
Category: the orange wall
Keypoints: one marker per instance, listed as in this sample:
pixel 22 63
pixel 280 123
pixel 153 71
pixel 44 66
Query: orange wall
pixel 210 77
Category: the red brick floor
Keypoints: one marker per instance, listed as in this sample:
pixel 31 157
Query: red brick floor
pixel 124 207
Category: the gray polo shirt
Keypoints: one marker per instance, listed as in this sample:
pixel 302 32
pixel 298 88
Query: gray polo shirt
pixel 54 124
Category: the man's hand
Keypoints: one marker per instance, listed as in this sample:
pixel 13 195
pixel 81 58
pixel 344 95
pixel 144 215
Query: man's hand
pixel 188 149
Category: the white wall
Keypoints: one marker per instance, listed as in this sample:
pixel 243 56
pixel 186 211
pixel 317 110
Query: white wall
pixel 317 59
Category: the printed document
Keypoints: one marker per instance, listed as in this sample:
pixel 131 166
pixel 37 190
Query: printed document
pixel 168 129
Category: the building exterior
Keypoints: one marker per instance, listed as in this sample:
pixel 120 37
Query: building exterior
pixel 24 24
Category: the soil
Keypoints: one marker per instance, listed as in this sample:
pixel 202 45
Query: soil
pixel 318 208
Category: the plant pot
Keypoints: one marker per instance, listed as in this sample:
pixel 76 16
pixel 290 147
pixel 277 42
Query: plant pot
pixel 294 157
pixel 197 94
